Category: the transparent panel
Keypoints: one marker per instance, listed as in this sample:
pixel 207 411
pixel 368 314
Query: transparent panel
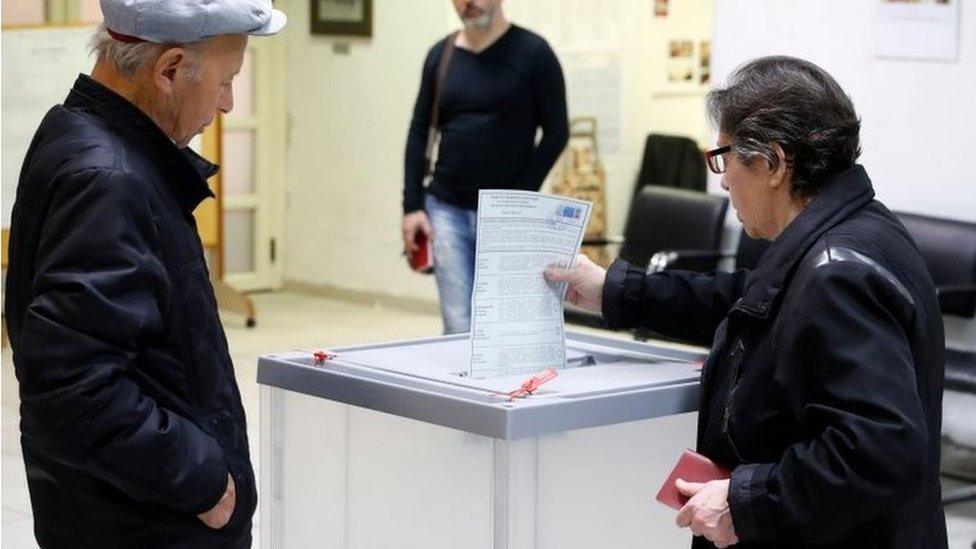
pixel 22 12
pixel 244 86
pixel 238 241
pixel 238 162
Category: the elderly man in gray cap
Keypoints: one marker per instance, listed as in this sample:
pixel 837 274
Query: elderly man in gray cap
pixel 132 426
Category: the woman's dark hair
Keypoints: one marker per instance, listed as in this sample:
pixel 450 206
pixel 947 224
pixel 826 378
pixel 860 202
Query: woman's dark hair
pixel 793 103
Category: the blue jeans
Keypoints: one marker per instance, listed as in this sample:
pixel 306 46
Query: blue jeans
pixel 455 234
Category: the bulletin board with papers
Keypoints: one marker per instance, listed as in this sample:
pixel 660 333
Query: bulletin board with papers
pixel 39 66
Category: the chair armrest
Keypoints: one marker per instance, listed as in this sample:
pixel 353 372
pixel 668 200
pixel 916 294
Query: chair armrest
pixel 666 259
pixel 957 290
pixel 606 241
pixel 957 299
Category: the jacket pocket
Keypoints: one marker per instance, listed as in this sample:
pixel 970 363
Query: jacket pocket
pixel 239 467
pixel 245 504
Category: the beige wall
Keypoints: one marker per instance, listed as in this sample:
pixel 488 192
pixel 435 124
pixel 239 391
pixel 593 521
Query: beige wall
pixel 349 117
pixel 89 11
pixel 22 12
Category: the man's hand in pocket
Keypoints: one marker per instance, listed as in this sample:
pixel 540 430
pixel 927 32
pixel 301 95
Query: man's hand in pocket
pixel 220 514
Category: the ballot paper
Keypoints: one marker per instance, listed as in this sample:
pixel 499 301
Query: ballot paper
pixel 516 315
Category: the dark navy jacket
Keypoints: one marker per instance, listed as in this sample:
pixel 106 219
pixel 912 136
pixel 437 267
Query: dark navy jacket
pixel 823 388
pixel 131 418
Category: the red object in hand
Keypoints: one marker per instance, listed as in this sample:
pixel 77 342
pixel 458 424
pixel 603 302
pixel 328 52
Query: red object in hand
pixel 691 467
pixel 422 260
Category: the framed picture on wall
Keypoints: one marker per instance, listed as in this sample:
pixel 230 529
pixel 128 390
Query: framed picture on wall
pixel 660 8
pixel 686 68
pixel 342 17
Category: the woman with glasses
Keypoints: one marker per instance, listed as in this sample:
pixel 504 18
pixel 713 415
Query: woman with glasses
pixel 823 389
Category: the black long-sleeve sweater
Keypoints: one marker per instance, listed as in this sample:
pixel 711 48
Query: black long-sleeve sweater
pixel 492 105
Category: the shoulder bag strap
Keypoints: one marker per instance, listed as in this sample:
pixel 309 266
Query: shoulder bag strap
pixel 433 133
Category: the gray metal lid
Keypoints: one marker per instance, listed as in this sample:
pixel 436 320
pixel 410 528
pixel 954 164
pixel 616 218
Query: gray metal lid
pixel 609 381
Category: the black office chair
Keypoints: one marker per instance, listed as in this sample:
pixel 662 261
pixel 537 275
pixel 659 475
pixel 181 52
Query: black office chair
pixel 664 219
pixel 671 161
pixel 949 250
pixel 747 254
pixel 667 219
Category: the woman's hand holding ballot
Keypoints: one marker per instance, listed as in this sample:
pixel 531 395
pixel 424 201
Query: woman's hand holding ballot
pixel 585 280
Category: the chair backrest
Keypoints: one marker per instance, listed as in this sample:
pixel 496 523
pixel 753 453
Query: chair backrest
pixel 671 161
pixel 949 249
pixel 663 219
pixel 749 251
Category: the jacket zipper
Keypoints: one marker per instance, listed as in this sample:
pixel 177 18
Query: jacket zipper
pixel 737 349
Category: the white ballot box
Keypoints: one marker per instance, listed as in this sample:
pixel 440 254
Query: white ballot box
pixel 394 446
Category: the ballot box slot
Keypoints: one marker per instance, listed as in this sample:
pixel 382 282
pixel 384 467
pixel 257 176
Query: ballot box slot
pixel 599 358
pixel 421 382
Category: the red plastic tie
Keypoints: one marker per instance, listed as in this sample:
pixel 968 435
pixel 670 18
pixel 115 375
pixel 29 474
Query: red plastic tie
pixel 533 383
pixel 322 356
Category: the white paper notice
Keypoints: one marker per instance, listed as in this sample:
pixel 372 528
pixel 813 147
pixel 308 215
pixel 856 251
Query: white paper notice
pixel 917 30
pixel 516 316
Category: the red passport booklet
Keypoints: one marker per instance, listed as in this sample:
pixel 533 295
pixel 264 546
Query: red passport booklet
pixel 691 467
pixel 422 260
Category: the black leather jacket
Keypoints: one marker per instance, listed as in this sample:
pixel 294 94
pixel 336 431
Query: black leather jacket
pixel 131 417
pixel 823 389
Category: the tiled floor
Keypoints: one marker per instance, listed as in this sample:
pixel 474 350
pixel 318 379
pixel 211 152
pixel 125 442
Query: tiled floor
pixel 285 321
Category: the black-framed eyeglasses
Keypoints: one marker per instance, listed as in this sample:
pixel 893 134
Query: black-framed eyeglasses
pixel 715 159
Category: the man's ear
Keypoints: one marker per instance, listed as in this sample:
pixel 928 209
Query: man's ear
pixel 167 67
pixel 781 173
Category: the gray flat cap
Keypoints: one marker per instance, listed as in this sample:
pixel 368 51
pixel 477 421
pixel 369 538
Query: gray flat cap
pixel 185 21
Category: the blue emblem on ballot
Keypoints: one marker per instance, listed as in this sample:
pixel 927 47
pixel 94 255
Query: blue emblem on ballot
pixel 571 212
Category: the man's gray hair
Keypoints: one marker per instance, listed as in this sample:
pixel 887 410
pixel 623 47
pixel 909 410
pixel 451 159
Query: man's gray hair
pixel 793 103
pixel 128 57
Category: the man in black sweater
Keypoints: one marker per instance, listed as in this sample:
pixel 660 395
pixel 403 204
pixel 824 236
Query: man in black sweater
pixel 501 85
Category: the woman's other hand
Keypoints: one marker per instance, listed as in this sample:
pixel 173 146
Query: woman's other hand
pixel 707 513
